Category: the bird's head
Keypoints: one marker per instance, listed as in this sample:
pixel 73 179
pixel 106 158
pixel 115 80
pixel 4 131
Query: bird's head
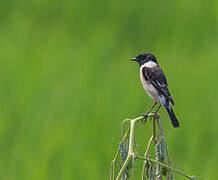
pixel 144 58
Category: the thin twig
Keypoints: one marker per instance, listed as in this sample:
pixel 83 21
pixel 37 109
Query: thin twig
pixel 113 163
pixel 129 157
pixel 145 155
pixel 165 165
pixel 154 131
pixel 121 127
pixel 133 166
pixel 131 144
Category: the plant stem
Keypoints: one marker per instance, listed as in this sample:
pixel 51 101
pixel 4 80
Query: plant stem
pixel 165 165
pixel 129 157
pixel 146 153
pixel 121 127
pixel 133 166
pixel 132 156
pixel 131 144
pixel 114 161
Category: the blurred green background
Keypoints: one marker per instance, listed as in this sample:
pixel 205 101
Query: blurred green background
pixel 66 83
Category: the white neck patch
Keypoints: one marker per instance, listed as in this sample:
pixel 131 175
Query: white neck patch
pixel 150 64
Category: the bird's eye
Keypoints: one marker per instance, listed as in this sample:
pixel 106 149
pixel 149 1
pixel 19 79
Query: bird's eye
pixel 140 57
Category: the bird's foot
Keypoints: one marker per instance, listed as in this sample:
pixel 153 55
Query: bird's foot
pixel 155 114
pixel 145 116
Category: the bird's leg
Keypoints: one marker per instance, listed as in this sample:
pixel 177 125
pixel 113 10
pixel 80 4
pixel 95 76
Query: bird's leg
pixel 157 109
pixel 146 115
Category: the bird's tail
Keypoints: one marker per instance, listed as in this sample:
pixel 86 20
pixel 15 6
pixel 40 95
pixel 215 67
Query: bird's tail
pixel 172 115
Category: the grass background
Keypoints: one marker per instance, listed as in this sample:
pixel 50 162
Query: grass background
pixel 66 83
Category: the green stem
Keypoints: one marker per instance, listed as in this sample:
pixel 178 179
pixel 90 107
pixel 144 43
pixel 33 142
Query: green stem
pixel 131 154
pixel 129 157
pixel 114 161
pixel 165 165
pixel 133 166
pixel 146 153
pixel 131 144
pixel 121 127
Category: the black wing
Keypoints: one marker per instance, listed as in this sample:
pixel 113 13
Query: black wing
pixel 157 78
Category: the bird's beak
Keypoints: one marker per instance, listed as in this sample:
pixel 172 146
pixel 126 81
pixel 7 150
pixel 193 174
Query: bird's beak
pixel 133 59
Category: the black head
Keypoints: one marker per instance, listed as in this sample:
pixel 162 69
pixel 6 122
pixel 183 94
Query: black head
pixel 143 58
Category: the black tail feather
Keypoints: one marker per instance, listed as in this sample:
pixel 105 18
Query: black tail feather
pixel 173 118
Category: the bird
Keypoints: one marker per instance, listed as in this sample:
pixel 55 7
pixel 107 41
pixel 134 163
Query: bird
pixel 155 84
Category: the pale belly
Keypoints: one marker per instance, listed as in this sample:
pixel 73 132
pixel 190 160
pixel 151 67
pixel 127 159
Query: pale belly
pixel 151 91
